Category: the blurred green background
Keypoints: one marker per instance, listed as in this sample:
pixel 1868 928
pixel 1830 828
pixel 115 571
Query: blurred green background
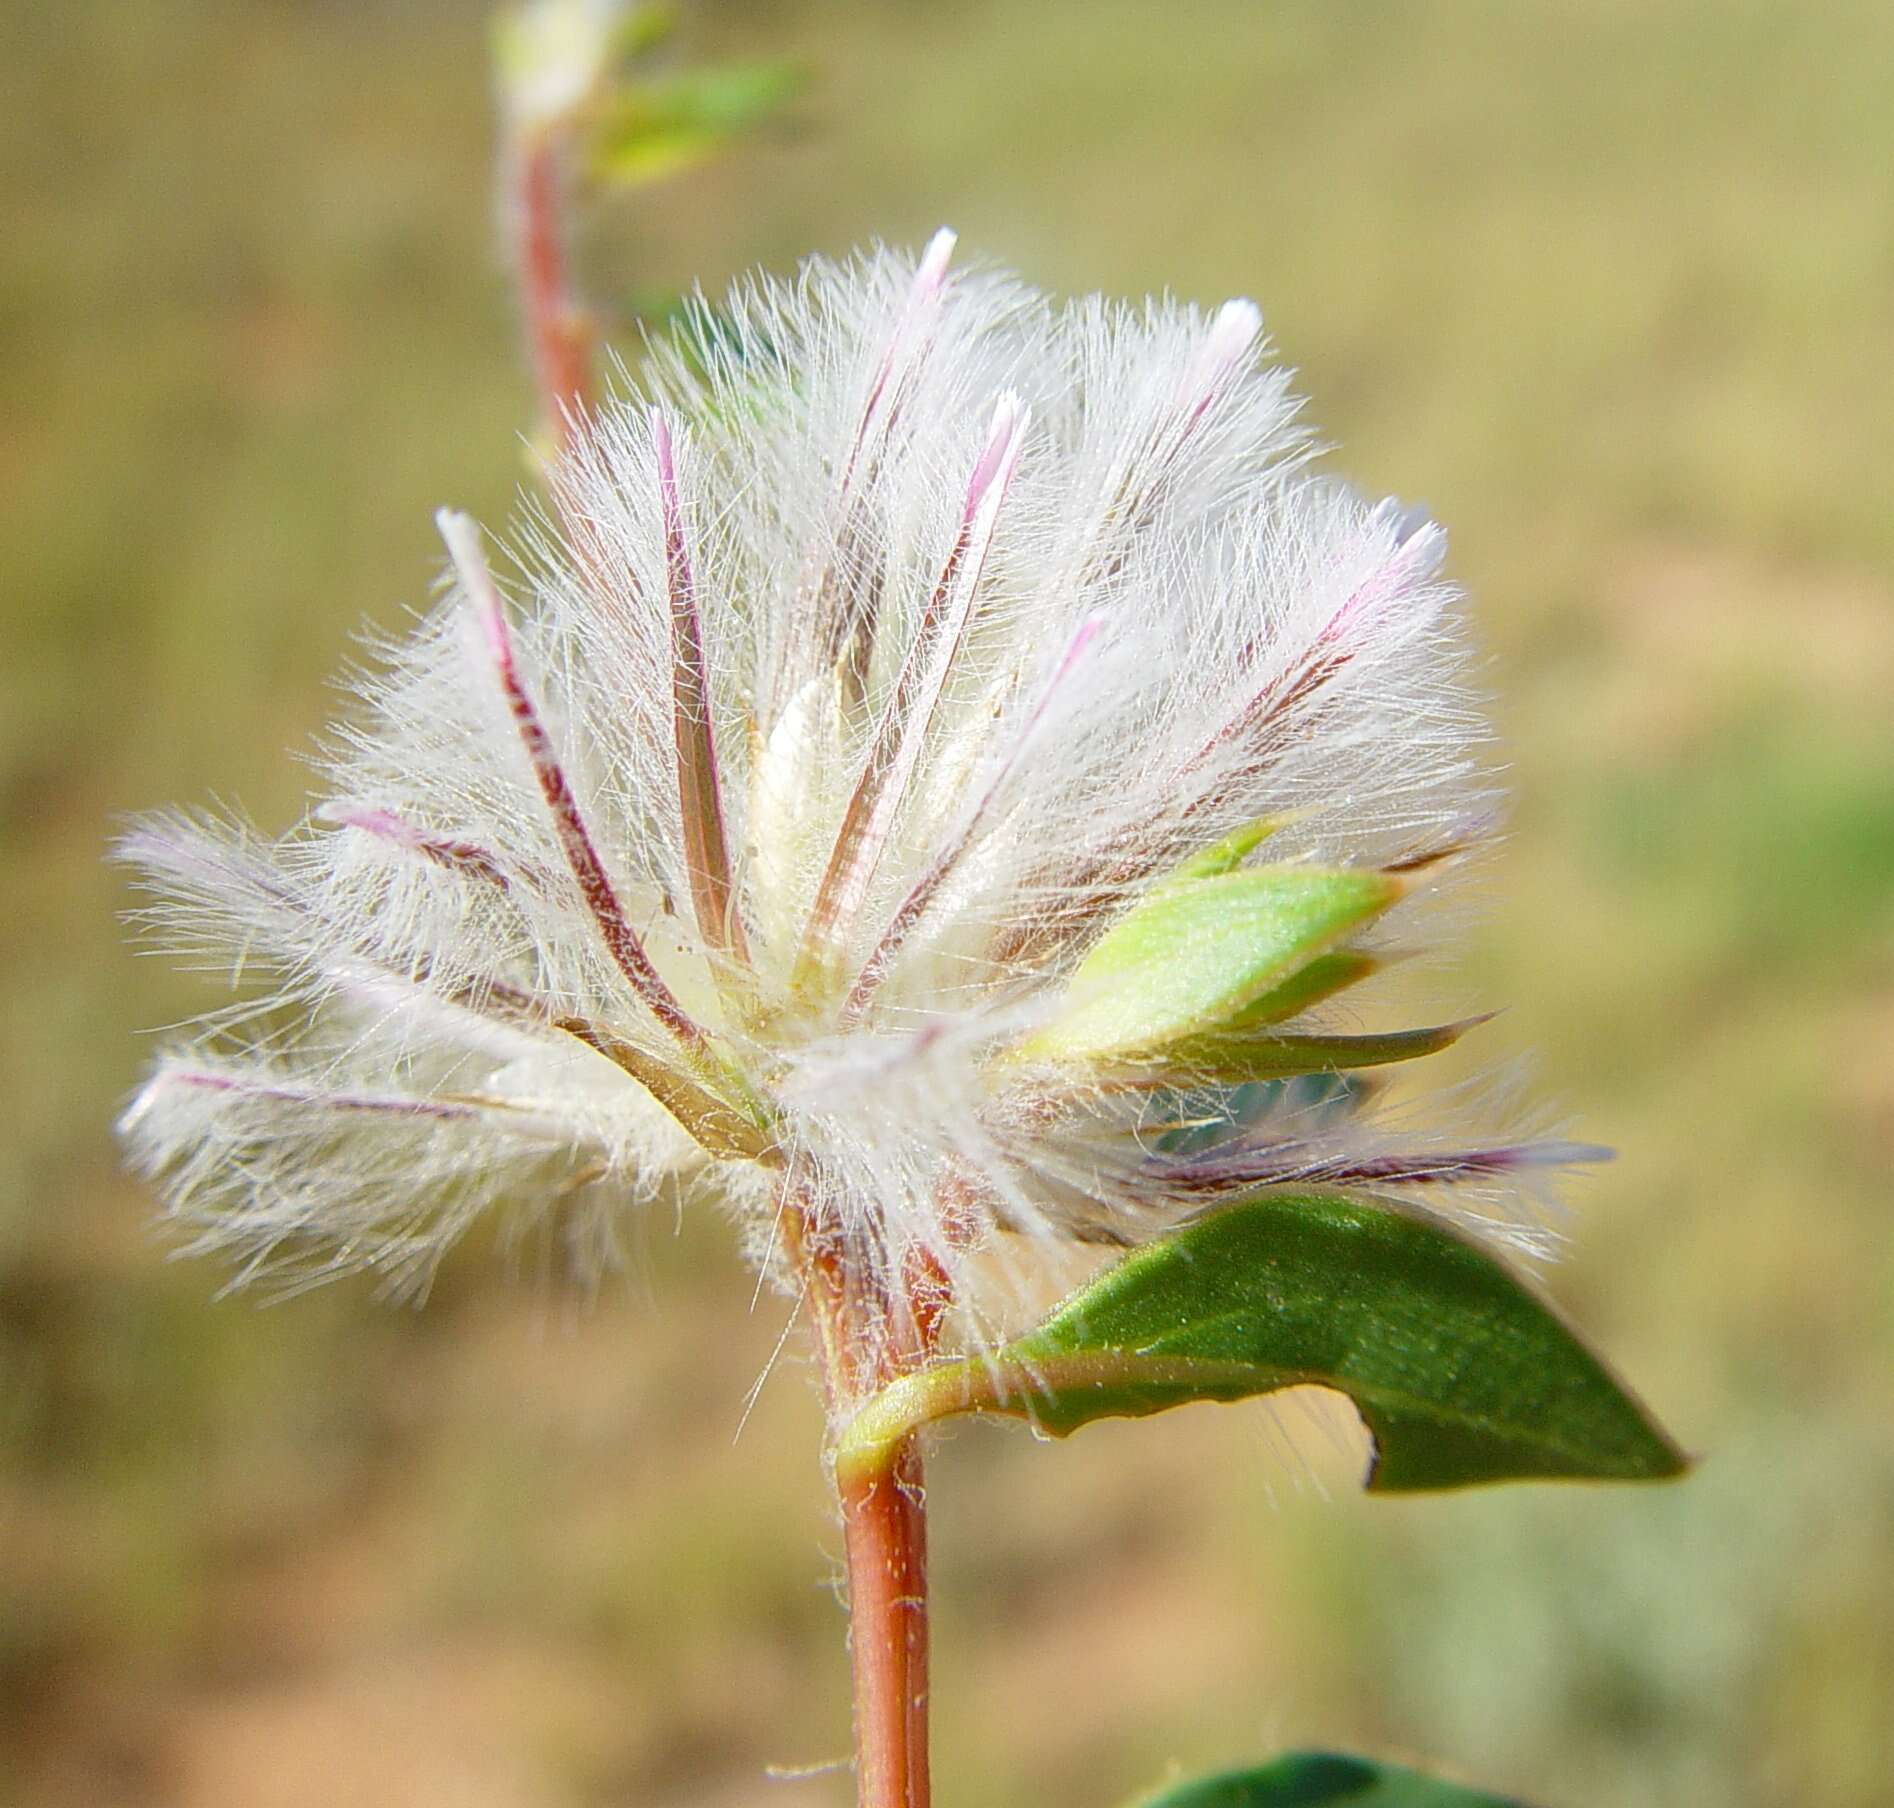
pixel 1608 283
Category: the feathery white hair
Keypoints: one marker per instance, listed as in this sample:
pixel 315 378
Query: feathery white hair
pixel 841 697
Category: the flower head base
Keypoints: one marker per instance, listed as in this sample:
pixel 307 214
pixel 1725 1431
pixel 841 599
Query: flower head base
pixel 923 776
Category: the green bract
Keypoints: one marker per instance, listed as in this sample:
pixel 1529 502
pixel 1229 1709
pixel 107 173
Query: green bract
pixel 1237 1057
pixel 1196 953
pixel 1460 1371
pixel 1322 978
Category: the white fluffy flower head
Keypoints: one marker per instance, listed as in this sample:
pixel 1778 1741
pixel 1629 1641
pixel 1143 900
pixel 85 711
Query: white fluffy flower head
pixel 776 823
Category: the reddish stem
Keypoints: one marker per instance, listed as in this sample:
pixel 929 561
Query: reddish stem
pixel 884 1515
pixel 558 334
pixel 884 1519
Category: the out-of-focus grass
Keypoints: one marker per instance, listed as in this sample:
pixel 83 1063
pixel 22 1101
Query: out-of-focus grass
pixel 1611 285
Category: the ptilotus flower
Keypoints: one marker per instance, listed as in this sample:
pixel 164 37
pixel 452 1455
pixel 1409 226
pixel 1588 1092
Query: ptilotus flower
pixel 932 764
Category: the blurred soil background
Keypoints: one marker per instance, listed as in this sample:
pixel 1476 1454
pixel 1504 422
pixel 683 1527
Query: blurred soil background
pixel 1608 283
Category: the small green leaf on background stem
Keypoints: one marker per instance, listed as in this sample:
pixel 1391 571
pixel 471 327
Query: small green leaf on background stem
pixel 1460 1371
pixel 655 128
pixel 642 28
pixel 1324 1780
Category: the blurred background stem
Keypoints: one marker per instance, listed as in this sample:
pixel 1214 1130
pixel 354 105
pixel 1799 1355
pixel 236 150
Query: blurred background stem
pixel 558 330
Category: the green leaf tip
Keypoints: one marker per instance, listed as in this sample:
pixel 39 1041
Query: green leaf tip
pixel 1324 1780
pixel 1198 950
pixel 1227 855
pixel 1240 1058
pixel 1461 1373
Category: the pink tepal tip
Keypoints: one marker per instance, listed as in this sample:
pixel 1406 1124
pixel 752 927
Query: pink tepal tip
pixel 931 272
pixel 661 443
pixel 1236 327
pixel 1226 347
pixel 462 539
pixel 994 467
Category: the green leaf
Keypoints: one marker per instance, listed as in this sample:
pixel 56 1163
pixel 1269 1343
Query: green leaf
pixel 1460 1371
pixel 1195 952
pixel 1232 1058
pixel 656 128
pixel 1324 1780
